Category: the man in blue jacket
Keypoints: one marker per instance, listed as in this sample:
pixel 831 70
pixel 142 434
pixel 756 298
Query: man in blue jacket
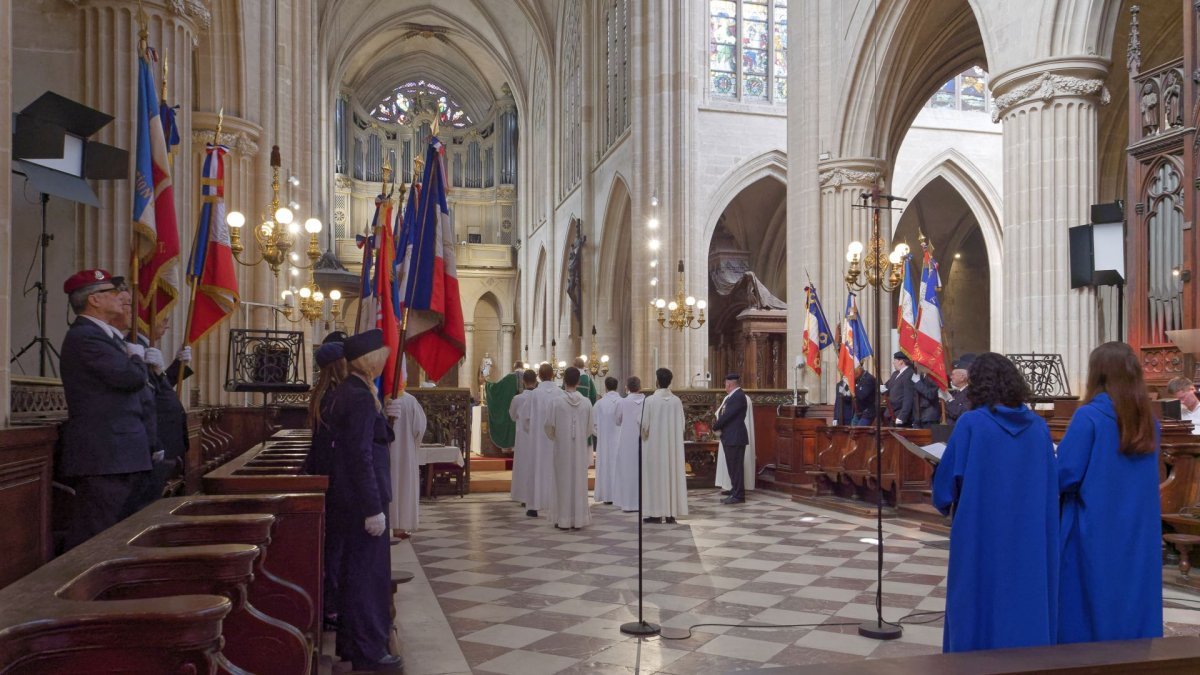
pixel 731 422
pixel 106 446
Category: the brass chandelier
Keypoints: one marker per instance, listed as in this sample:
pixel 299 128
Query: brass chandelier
pixel 685 311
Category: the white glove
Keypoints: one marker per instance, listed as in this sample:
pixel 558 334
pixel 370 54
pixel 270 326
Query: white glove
pixel 375 524
pixel 135 350
pixel 883 388
pixel 154 357
pixel 185 355
pixel 916 378
pixel 945 396
pixel 157 456
pixel 394 408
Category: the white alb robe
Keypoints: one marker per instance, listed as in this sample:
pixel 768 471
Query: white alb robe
pixel 749 467
pixel 604 426
pixel 625 485
pixel 522 471
pixel 537 411
pixel 568 426
pixel 409 425
pixel 664 474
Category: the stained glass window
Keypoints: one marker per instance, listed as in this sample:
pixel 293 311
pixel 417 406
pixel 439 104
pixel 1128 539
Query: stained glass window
pixel 420 96
pixel 747 50
pixel 968 91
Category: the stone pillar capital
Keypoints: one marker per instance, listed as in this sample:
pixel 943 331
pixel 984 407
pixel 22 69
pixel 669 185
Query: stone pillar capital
pixel 195 12
pixel 1047 80
pixel 469 327
pixel 239 135
pixel 853 172
pixel 508 328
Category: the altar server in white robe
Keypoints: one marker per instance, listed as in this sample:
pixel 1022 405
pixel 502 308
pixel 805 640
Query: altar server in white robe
pixel 522 471
pixel 732 385
pixel 408 421
pixel 537 410
pixel 568 426
pixel 628 419
pixel 604 426
pixel 664 476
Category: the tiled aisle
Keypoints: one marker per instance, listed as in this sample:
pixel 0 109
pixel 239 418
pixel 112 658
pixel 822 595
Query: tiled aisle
pixel 524 598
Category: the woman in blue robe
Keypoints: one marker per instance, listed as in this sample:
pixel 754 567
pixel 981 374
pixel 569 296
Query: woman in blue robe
pixel 359 492
pixel 1111 576
pixel 998 480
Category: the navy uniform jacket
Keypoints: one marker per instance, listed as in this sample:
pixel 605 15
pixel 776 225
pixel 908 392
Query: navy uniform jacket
pixel 928 408
pixel 866 393
pixel 732 422
pixel 359 482
pixel 105 432
pixel 957 405
pixel 169 414
pixel 319 461
pixel 903 397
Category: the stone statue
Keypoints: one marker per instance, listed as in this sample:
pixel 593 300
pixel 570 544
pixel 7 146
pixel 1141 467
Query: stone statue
pixel 575 273
pixel 1149 107
pixel 485 367
pixel 1172 112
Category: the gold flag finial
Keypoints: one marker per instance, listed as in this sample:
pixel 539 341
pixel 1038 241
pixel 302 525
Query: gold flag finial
pixel 143 28
pixel 220 123
pixel 165 70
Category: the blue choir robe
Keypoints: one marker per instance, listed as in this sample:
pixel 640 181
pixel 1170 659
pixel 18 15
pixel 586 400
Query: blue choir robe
pixel 999 475
pixel 359 487
pixel 1111 576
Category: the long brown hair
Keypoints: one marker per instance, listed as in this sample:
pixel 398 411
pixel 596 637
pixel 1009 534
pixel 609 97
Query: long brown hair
pixel 329 377
pixel 1114 369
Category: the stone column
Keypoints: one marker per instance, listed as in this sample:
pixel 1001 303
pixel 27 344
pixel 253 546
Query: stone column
pixel 507 330
pixel 466 371
pixel 109 72
pixel 1050 156
pixel 843 183
pixel 5 200
pixel 255 283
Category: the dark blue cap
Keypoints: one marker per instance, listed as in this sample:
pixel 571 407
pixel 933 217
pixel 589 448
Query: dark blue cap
pixel 363 343
pixel 329 352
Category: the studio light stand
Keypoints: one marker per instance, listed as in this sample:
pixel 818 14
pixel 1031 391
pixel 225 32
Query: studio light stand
pixel 50 148
pixel 44 344
pixel 641 627
pixel 880 272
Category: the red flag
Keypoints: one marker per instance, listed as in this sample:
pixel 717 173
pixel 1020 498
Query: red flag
pixel 211 266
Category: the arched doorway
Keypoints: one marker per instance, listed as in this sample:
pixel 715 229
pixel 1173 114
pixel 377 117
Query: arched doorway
pixel 485 341
pixel 747 287
pixel 947 222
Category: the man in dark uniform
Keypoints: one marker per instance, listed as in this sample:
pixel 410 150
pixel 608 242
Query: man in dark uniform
pixel 929 405
pixel 958 403
pixel 866 396
pixel 170 415
pixel 106 445
pixel 899 388
pixel 731 422
pixel 359 492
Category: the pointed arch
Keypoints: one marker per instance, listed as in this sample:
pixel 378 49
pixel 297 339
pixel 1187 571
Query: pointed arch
pixel 984 202
pixel 613 278
pixel 770 164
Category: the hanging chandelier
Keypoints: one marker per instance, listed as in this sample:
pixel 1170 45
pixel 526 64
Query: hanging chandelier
pixel 685 311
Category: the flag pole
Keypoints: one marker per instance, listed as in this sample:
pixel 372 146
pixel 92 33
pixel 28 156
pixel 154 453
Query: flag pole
pixel 134 264
pixel 417 250
pixel 193 280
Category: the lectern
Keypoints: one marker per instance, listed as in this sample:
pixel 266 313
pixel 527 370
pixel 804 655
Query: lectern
pixel 1188 341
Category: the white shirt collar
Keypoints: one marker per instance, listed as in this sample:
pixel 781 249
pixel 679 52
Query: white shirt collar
pixel 113 332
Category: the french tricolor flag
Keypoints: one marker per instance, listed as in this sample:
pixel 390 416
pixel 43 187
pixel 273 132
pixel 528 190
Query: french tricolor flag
pixel 436 335
pixel 930 352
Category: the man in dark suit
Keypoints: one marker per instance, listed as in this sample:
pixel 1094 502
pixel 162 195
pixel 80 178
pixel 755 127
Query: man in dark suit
pixel 866 396
pixel 731 422
pixel 170 415
pixel 106 446
pixel 899 388
pixel 929 404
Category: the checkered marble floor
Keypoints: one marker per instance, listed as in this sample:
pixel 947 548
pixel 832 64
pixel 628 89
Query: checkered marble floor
pixel 524 598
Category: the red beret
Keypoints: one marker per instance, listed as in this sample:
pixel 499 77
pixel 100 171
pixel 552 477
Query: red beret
pixel 85 278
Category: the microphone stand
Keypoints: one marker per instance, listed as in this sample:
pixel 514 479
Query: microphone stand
pixel 641 627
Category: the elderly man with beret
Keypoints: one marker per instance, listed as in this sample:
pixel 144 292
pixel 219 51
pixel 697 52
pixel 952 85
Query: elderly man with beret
pixel 107 448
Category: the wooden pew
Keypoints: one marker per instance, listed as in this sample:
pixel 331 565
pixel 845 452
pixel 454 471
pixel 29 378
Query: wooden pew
pixel 108 607
pixel 297 537
pixel 238 476
pixel 906 477
pixel 858 461
pixel 1181 485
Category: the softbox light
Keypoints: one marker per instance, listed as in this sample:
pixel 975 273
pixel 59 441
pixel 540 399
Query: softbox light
pixel 51 148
